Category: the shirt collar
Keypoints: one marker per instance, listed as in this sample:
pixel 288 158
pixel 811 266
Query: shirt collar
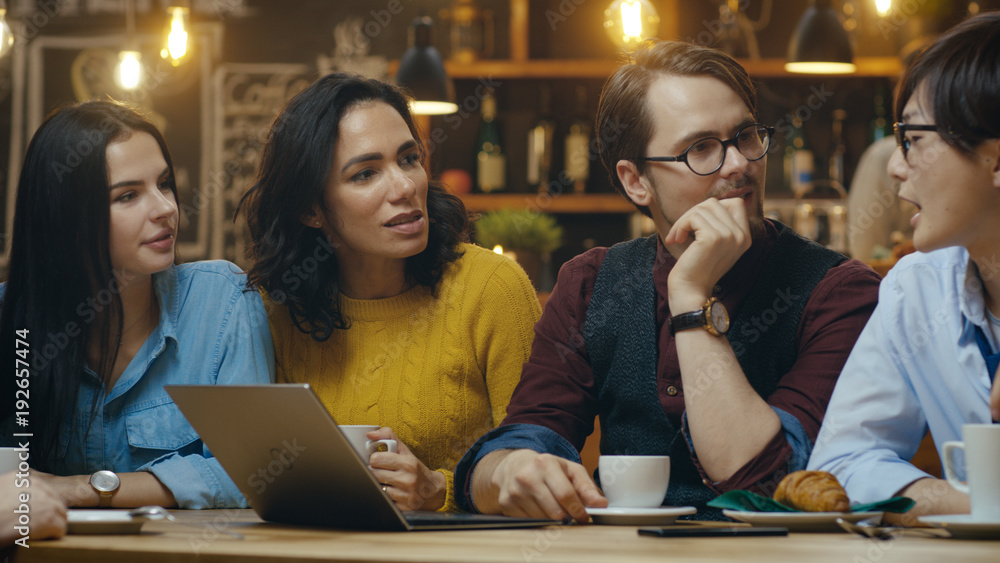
pixel 971 300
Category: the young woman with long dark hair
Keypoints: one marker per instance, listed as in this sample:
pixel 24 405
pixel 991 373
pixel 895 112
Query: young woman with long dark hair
pixel 374 297
pixel 98 315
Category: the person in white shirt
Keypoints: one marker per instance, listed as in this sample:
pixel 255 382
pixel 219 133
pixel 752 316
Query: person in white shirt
pixel 928 356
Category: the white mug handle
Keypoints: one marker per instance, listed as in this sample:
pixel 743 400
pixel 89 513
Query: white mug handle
pixel 372 446
pixel 949 466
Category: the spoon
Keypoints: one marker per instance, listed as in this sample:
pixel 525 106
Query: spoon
pixel 870 529
pixel 152 512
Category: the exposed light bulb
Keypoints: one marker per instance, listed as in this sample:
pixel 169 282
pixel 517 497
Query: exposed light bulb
pixel 418 107
pixel 630 21
pixel 177 35
pixel 6 37
pixel 129 69
pixel 883 7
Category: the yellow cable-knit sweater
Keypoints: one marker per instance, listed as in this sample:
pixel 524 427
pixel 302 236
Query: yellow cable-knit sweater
pixel 438 371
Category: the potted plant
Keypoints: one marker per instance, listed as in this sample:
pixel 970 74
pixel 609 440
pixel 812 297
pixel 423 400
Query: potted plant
pixel 527 236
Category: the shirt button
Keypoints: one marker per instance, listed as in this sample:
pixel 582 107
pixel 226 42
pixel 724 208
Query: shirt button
pixel 717 289
pixel 671 390
pixel 704 481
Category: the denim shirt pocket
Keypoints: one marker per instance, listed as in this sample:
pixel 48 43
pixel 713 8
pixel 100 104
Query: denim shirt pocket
pixel 156 430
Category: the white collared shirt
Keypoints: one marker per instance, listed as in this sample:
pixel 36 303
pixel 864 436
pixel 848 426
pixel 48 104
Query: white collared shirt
pixel 915 366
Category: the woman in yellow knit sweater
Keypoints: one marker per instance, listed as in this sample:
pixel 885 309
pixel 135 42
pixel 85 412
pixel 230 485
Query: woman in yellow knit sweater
pixel 373 297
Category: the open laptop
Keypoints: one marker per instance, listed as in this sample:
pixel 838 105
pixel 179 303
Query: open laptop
pixel 286 454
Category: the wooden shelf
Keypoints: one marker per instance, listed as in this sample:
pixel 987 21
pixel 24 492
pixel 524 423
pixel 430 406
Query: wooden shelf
pixel 602 68
pixel 565 203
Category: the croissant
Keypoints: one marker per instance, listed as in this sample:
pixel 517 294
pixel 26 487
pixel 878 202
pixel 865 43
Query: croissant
pixel 812 491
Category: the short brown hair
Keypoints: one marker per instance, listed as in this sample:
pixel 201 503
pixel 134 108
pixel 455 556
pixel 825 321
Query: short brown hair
pixel 624 126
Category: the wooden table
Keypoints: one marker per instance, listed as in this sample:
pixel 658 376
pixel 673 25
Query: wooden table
pixel 200 539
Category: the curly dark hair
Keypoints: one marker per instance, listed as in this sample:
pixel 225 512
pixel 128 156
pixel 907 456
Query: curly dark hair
pixel 295 165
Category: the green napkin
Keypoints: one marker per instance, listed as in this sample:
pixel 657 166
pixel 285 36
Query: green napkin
pixel 745 500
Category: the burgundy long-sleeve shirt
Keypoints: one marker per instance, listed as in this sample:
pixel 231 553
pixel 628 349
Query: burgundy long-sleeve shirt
pixel 557 385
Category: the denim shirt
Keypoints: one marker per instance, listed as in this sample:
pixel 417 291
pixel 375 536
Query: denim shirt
pixel 211 331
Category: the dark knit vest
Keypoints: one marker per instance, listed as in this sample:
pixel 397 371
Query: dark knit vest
pixel 620 336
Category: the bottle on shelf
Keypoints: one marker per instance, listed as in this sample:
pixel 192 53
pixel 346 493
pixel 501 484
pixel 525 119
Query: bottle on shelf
pixel 540 138
pixel 577 144
pixel 491 162
pixel 839 150
pixel 880 126
pixel 799 161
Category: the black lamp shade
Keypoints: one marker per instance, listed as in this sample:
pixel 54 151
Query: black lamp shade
pixel 421 71
pixel 820 44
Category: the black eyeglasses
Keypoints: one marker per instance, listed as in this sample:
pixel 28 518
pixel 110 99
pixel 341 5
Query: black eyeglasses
pixel 706 156
pixel 900 129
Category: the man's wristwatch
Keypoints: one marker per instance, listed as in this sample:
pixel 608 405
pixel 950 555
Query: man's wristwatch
pixel 713 317
pixel 106 484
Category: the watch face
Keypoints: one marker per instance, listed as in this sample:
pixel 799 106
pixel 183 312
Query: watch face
pixel 105 481
pixel 719 317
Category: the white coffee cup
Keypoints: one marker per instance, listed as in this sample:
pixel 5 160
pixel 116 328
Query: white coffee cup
pixel 356 435
pixel 8 460
pixel 981 443
pixel 634 481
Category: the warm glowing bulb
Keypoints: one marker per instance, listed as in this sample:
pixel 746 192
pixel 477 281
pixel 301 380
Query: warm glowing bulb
pixel 6 37
pixel 630 21
pixel 129 70
pixel 883 6
pixel 432 108
pixel 498 249
pixel 177 35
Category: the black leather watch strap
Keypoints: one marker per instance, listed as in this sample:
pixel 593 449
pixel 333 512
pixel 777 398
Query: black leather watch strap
pixel 685 321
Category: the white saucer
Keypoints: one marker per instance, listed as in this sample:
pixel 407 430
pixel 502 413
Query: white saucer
pixel 963 526
pixel 800 521
pixel 660 516
pixel 103 522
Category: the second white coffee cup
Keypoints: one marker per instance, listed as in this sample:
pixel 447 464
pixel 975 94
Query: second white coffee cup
pixel 634 481
pixel 981 443
pixel 356 435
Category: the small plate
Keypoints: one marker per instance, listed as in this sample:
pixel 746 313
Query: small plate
pixel 963 526
pixel 103 522
pixel 800 521
pixel 661 516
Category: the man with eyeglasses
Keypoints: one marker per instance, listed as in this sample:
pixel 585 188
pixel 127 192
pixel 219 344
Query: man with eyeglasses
pixel 929 357
pixel 717 341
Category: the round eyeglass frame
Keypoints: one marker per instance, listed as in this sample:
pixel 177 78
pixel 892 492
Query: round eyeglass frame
pixel 734 141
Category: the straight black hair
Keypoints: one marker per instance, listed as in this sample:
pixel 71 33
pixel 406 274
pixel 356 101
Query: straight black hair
pixel 61 288
pixel 961 71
